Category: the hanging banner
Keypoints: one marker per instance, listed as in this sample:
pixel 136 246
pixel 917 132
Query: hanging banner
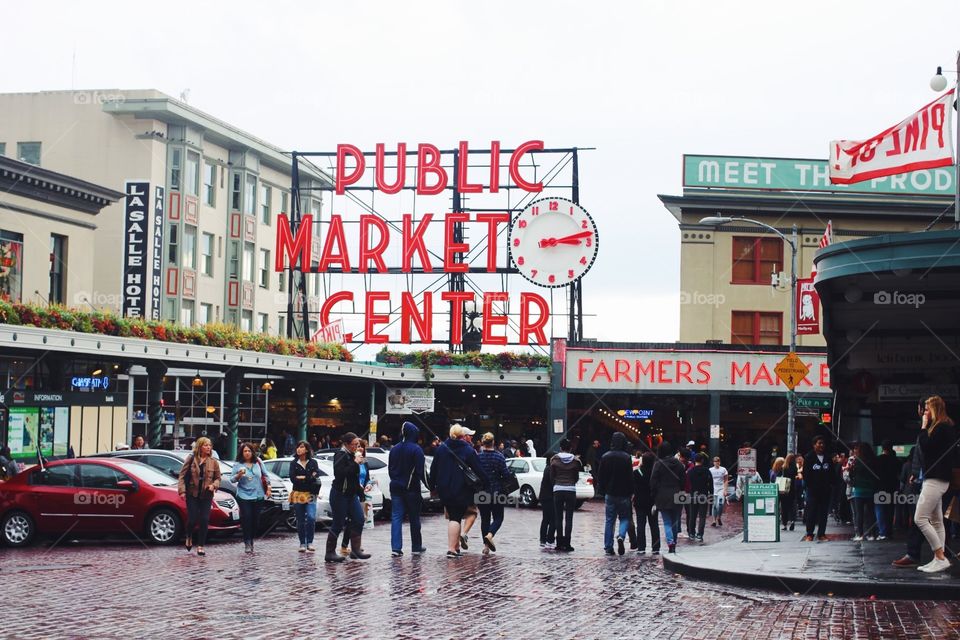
pixel 135 237
pixel 156 257
pixel 921 141
pixel 407 401
pixel 808 308
pixel 332 332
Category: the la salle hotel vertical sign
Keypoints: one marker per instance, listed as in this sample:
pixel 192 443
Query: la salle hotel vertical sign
pixel 143 222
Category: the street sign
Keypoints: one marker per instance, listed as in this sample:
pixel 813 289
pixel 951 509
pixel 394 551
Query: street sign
pixel 761 513
pixel 814 403
pixel 746 462
pixel 791 370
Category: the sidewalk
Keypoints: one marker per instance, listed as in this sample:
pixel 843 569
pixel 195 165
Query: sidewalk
pixel 838 566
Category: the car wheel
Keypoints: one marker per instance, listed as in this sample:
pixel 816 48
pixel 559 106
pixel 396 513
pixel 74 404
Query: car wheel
pixel 18 529
pixel 163 526
pixel 290 522
pixel 528 497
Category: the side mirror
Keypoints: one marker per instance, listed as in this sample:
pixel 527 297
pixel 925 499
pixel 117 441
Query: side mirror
pixel 126 485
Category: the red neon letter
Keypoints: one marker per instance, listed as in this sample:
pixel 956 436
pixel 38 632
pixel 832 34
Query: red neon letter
pixel 536 327
pixel 344 180
pixel 456 299
pixel 413 241
pixel 492 220
pixel 428 161
pixel 368 253
pixel 490 321
pixel 581 369
pixel 401 169
pixel 463 164
pixel 297 249
pixel 408 312
pixel 328 304
pixel 495 166
pixel 451 248
pixel 515 166
pixel 328 257
pixel 372 318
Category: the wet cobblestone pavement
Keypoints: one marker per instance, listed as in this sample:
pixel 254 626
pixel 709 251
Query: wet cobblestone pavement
pixel 125 590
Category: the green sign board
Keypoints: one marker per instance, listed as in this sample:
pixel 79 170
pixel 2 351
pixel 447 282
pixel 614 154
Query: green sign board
pixel 761 513
pixel 814 403
pixel 796 174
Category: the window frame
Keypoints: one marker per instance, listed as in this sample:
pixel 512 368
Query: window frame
pixel 757 241
pixel 263 267
pixel 266 202
pixel 755 324
pixel 210 190
pixel 206 262
pixel 188 249
pixel 20 150
pixel 191 169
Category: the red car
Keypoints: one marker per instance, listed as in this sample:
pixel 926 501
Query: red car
pixel 100 496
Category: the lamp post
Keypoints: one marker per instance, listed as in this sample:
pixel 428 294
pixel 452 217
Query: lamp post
pixel 938 83
pixel 716 221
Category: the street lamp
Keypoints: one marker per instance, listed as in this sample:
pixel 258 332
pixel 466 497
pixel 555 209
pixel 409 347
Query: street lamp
pixel 938 83
pixel 716 221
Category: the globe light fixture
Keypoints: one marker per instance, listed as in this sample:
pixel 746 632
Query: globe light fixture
pixel 938 82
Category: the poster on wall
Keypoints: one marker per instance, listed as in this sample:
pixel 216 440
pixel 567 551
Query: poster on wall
pixel 23 432
pixel 11 266
pixel 407 401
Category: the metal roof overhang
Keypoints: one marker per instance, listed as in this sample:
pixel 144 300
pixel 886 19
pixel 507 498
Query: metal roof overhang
pixel 193 357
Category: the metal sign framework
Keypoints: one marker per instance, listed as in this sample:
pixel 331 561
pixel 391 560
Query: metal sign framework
pixel 559 158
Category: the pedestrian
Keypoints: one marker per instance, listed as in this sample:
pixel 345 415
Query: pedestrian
pixel 841 507
pixel 345 501
pixel 644 506
pixel 531 449
pixel 888 481
pixel 252 488
pixel 745 479
pixel 614 478
pixel 683 455
pixel 8 467
pixel 592 457
pixel 456 475
pixel 385 443
pixel 198 480
pixel 365 488
pixel 508 451
pixel 516 449
pixel 305 476
pixel 721 480
pixel 491 510
pixel 269 449
pixel 288 443
pixel 787 488
pixel 138 443
pixel 911 475
pixel 666 484
pixel 548 525
pixel 701 494
pixel 406 467
pixel 860 475
pixel 776 470
pixel 938 444
pixel 565 468
pixel 819 479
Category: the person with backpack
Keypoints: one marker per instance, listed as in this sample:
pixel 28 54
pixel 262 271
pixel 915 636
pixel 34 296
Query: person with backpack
pixel 666 483
pixel 616 484
pixel 8 466
pixel 406 467
pixel 456 476
pixel 252 489
pixel 491 509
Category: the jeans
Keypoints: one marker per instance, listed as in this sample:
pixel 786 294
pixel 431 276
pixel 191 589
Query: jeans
pixel 645 519
pixel 669 517
pixel 249 512
pixel 787 512
pixel 862 516
pixel 306 513
pixel 198 517
pixel 697 519
pixel 717 507
pixel 405 504
pixel 929 516
pixel 816 511
pixel 616 507
pixel 677 521
pixel 491 518
pixel 884 515
pixel 548 526
pixel 345 508
pixel 564 503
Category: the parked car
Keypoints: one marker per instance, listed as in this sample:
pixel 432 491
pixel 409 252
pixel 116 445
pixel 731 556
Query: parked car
pixel 529 472
pixel 98 496
pixel 170 463
pixel 281 467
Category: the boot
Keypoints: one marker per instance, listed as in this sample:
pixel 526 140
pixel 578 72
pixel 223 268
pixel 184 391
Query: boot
pixel 331 552
pixel 355 551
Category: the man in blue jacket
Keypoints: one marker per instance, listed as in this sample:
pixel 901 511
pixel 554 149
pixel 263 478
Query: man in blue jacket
pixel 406 474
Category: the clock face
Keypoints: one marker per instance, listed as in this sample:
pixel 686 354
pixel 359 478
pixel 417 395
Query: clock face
pixel 553 242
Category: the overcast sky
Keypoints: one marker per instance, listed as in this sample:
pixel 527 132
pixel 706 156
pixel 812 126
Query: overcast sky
pixel 644 82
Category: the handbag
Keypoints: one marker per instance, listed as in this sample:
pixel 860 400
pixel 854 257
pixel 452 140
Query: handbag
pixel 509 483
pixel 783 485
pixel 470 477
pixel 264 481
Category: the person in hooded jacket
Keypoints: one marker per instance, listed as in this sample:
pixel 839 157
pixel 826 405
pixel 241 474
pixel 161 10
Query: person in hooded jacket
pixel 548 528
pixel 565 468
pixel 345 501
pixel 666 482
pixel 643 505
pixel 616 484
pixel 448 480
pixel 701 495
pixel 405 465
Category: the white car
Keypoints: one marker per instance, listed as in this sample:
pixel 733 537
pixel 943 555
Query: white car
pixel 377 464
pixel 529 472
pixel 281 467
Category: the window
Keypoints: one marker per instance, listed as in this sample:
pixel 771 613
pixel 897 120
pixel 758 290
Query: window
pixel 11 258
pixel 175 161
pixel 172 247
pixel 210 184
pixel 206 252
pixel 264 268
pixel 284 201
pixel 189 247
pixel 193 173
pixel 29 152
pixel 754 259
pixel 64 475
pixel 3 148
pixel 266 199
pixel 250 196
pixel 230 316
pixel 58 269
pixel 281 325
pixel 235 193
pixel 170 466
pixel 246 321
pixel 248 264
pixel 756 327
pixel 283 282
pixel 97 476
pixel 170 310
pixel 263 323
pixel 205 314
pixel 233 259
pixel 186 313
pixel 517 466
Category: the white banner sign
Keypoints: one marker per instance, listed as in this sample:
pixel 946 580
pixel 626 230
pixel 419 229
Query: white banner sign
pixel 922 141
pixel 665 371
pixel 332 332
pixel 900 392
pixel 407 401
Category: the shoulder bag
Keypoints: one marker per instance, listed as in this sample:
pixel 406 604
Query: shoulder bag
pixel 470 477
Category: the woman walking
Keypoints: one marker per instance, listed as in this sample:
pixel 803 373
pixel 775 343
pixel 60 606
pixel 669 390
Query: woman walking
pixel 860 474
pixel 448 479
pixel 937 443
pixel 788 498
pixel 361 458
pixel 666 482
pixel 491 511
pixel 199 479
pixel 305 476
pixel 252 488
pixel 643 505
pixel 345 501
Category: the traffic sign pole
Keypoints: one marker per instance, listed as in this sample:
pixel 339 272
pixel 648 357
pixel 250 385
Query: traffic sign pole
pixel 791 396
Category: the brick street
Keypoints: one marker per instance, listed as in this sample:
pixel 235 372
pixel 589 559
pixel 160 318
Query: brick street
pixel 120 589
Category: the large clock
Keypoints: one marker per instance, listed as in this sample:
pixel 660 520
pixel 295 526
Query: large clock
pixel 553 242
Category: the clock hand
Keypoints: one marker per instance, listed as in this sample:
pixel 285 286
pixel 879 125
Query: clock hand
pixel 571 239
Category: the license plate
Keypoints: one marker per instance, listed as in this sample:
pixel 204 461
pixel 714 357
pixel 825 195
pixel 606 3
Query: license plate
pixel 286 505
pixel 235 515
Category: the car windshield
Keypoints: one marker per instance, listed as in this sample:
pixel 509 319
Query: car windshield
pixel 146 473
pixel 539 464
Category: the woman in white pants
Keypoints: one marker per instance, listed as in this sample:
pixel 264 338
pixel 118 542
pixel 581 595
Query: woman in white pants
pixel 938 443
